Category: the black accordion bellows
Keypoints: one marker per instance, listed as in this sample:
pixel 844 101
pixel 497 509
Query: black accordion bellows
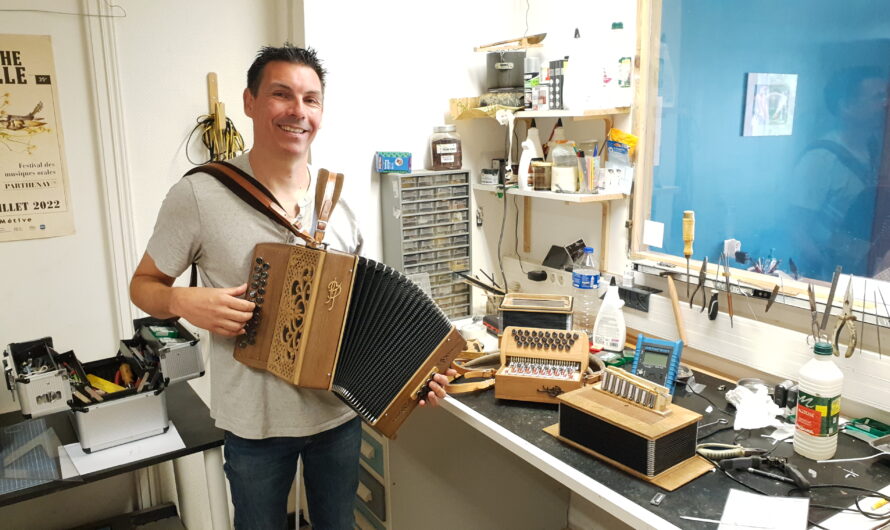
pixel 392 322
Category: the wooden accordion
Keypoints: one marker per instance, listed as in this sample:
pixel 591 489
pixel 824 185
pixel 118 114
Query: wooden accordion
pixel 330 320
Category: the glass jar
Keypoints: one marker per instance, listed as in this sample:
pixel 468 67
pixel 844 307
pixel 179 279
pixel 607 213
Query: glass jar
pixel 445 149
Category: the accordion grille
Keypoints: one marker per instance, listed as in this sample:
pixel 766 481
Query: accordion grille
pixel 302 268
pixel 392 327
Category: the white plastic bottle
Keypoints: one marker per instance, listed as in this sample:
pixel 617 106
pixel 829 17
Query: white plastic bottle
pixel 525 162
pixel 609 330
pixel 818 405
pixel 618 67
pixel 585 282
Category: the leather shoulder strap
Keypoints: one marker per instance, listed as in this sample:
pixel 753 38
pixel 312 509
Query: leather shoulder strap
pixel 327 193
pixel 252 192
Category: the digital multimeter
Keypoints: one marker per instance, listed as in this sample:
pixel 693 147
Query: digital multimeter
pixel 657 360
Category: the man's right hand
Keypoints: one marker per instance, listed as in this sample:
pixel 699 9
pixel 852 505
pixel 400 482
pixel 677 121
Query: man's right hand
pixel 218 310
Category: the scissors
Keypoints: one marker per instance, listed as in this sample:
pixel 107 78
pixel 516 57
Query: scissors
pixel 846 320
pixel 814 314
pixel 702 276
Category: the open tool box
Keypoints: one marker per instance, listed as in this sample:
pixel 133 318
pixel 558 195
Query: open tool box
pixel 165 343
pixel 113 400
pixel 33 375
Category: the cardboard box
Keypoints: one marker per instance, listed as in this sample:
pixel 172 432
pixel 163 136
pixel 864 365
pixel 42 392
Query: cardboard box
pixel 393 162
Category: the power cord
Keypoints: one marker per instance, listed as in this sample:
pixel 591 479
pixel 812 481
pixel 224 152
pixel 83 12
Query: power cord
pixel 232 142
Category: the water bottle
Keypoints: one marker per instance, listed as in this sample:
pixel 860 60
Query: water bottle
pixel 818 405
pixel 585 282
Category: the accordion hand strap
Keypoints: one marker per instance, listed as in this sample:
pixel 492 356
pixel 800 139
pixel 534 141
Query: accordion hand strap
pixel 253 193
pixel 327 193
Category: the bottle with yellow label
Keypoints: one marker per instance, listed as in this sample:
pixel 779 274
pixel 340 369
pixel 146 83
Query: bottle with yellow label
pixel 818 405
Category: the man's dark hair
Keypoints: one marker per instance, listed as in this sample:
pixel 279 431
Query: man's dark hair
pixel 287 53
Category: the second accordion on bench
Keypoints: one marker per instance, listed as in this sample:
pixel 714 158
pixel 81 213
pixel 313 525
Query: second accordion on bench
pixel 330 320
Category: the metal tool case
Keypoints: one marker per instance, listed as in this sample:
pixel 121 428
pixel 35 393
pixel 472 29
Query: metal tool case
pixel 46 381
pixel 32 374
pixel 124 416
pixel 179 361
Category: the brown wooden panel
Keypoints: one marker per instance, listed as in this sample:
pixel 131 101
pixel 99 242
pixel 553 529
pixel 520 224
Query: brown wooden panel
pixel 397 411
pixel 327 319
pixel 257 355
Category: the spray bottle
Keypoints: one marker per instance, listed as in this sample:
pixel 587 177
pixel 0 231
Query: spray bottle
pixel 609 330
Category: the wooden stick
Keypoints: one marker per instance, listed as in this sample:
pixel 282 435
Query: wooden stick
pixel 675 302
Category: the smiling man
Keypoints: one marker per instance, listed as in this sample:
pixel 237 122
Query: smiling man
pixel 269 423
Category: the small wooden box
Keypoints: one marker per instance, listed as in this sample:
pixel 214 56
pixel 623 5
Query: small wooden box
pixel 548 311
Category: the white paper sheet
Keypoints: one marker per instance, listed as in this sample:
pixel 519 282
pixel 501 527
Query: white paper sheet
pixel 751 510
pixel 126 453
pixel 653 233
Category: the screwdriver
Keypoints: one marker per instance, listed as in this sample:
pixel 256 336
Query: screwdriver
pixel 688 237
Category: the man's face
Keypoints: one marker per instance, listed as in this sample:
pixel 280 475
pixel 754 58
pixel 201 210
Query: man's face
pixel 286 110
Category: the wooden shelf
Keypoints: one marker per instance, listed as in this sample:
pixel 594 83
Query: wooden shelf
pixel 576 114
pixel 468 109
pixel 566 197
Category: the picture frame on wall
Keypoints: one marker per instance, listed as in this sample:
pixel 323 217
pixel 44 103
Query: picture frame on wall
pixel 769 104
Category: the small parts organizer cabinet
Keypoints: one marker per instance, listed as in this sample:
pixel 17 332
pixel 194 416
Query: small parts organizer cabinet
pixel 426 231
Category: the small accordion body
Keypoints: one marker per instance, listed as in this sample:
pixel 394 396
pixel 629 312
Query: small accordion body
pixel 330 320
pixel 540 364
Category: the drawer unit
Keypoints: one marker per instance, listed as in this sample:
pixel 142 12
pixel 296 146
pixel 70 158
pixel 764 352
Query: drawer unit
pixel 426 229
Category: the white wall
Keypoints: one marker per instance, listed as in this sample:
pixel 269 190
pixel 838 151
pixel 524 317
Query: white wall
pixel 63 287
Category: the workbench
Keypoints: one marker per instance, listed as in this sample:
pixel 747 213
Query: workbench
pixel 518 427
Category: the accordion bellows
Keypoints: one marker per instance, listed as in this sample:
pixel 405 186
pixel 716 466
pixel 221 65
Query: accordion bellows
pixel 334 321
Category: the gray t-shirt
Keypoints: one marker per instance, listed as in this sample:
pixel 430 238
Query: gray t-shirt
pixel 203 221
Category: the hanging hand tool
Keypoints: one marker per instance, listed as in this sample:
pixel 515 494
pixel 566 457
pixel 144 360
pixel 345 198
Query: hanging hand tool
pixel 702 276
pixel 675 304
pixel 688 238
pixel 814 314
pixel 846 319
pixel 862 314
pixel 713 307
pixel 834 279
pixel 878 323
pixel 725 260
pixel 772 298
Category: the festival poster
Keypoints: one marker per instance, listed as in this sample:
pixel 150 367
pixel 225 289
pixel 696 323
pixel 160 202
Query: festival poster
pixel 34 195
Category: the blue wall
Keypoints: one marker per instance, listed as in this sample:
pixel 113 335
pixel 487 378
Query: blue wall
pixel 748 188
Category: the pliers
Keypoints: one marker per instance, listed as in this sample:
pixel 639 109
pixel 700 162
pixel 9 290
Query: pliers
pixel 702 276
pixel 846 319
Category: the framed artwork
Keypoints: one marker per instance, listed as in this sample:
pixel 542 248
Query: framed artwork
pixel 769 104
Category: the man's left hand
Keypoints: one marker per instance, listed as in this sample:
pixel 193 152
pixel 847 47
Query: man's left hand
pixel 437 388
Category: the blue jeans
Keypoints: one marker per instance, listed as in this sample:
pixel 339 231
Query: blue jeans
pixel 261 472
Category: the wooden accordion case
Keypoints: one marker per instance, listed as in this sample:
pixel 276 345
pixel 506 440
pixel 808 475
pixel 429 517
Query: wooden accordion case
pixel 330 320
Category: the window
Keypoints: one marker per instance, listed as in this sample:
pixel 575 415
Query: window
pixel 807 181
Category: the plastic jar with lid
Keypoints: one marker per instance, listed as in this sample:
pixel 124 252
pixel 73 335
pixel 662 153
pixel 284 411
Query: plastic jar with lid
pixel 445 149
pixel 564 174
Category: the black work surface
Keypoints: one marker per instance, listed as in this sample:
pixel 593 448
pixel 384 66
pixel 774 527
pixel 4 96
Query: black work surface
pixel 706 495
pixel 184 408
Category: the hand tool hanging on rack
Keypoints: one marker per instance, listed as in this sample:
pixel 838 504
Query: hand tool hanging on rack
pixel 688 238
pixel 862 314
pixel 878 322
pixel 725 260
pixel 702 276
pixel 814 314
pixel 834 279
pixel 772 298
pixel 846 319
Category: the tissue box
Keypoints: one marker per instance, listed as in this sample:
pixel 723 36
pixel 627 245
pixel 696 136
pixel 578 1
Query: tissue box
pixel 393 162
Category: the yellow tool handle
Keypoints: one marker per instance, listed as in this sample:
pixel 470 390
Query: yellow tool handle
pixel 688 232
